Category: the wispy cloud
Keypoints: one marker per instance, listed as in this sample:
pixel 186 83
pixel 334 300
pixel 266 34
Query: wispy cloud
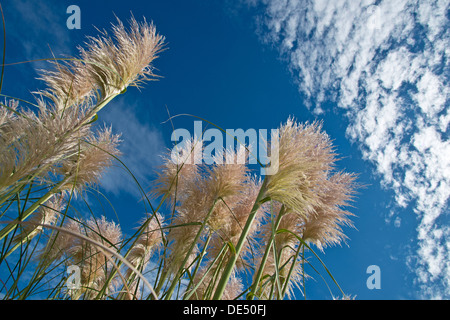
pixel 141 148
pixel 385 63
pixel 39 28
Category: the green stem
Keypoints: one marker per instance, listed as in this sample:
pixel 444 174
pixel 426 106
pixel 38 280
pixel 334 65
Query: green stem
pixel 8 194
pixel 315 254
pixel 21 242
pixel 199 262
pixel 291 269
pixel 164 275
pixel 211 266
pixel 258 276
pixel 277 270
pixel 101 105
pixel 213 281
pixel 186 258
pixel 303 271
pixel 232 262
pixel 6 230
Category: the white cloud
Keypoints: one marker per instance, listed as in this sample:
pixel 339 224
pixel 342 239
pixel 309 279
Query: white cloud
pixel 429 97
pixel 386 66
pixel 141 147
pixel 40 28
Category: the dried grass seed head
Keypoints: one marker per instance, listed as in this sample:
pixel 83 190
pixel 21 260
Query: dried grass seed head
pixel 114 63
pixel 325 227
pixel 106 67
pixel 68 84
pixel 94 262
pixel 47 214
pixel 305 155
pixel 95 154
pixel 179 171
pixel 32 143
pixel 149 240
pixel 235 218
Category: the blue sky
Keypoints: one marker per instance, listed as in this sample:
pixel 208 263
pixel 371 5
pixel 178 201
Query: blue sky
pixel 375 72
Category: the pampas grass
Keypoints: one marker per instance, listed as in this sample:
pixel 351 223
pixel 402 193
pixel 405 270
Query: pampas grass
pixel 219 231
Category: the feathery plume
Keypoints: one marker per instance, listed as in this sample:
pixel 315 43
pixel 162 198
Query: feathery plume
pixel 94 262
pixel 62 243
pixel 236 216
pixel 233 288
pixel 68 84
pixel 324 228
pixel 94 156
pixel 115 65
pixel 215 189
pixel 305 154
pixel 7 111
pixel 312 197
pixel 148 241
pixel 193 209
pixel 47 215
pixel 30 144
pixel 225 182
pixel 227 179
pixel 106 67
pixel 35 144
pixel 180 169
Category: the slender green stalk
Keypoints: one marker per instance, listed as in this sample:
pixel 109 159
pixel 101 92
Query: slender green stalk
pixel 232 262
pixel 6 255
pixel 253 288
pixel 200 257
pixel 186 258
pixel 9 193
pixel 303 272
pixel 99 107
pixel 160 284
pixel 291 269
pixel 221 253
pixel 315 254
pixel 6 230
pixel 213 281
pixel 277 270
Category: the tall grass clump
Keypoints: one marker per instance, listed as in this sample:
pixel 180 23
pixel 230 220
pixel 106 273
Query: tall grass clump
pixel 219 231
